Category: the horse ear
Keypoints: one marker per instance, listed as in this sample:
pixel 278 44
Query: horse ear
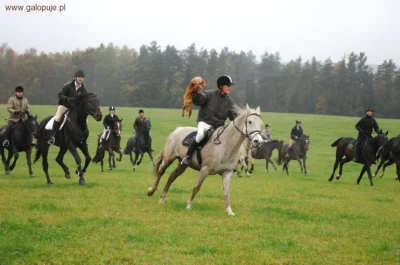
pixel 247 107
pixel 387 132
pixel 258 110
pixel 121 119
pixel 380 131
pixel 35 116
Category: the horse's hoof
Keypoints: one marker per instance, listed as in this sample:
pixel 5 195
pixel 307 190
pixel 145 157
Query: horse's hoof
pixel 7 172
pixel 380 176
pixel 110 168
pixel 68 176
pixel 330 179
pixel 82 182
pixel 306 174
pixel 161 201
pixel 114 166
pixel 77 172
pixel 50 182
pixel 150 191
pixel 118 159
pixel 337 177
pixel 32 175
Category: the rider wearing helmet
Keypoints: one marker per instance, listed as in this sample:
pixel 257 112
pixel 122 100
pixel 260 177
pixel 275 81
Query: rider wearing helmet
pixel 108 123
pixel 296 133
pixel 18 107
pixel 215 107
pixel 69 96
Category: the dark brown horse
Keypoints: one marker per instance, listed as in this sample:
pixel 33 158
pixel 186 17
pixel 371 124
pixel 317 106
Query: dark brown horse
pixel 369 148
pixel 390 154
pixel 113 144
pixel 265 152
pixel 298 152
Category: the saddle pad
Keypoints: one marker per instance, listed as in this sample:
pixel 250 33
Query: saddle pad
pixel 49 125
pixel 189 138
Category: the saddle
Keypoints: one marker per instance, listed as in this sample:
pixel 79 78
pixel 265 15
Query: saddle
pixel 49 125
pixel 191 137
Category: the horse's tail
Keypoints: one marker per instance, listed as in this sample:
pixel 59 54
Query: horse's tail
pixel 336 142
pixel 129 147
pixel 99 155
pixel 38 154
pixel 158 161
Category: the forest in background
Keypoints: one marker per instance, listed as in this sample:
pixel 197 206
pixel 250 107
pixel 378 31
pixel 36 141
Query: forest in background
pixel 157 77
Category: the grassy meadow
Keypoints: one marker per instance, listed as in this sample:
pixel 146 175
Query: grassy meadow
pixel 280 219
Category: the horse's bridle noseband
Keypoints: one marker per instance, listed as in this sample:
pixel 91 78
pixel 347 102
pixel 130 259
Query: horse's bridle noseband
pixel 248 135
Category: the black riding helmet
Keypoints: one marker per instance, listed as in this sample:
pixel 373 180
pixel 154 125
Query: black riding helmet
pixel 19 89
pixel 298 121
pixel 369 109
pixel 79 73
pixel 111 108
pixel 224 80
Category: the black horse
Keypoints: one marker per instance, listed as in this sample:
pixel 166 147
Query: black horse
pixel 140 144
pixel 389 154
pixel 265 152
pixel 21 141
pixel 73 135
pixel 369 149
pixel 113 143
pixel 298 152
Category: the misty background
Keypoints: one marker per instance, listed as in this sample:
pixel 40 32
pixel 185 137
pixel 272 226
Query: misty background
pixel 326 57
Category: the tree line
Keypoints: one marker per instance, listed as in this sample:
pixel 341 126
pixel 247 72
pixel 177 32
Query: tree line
pixel 158 77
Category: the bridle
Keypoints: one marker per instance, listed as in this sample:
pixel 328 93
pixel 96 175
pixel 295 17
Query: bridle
pixel 250 136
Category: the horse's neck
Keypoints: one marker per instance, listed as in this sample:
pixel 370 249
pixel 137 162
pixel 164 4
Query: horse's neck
pixel 78 116
pixel 231 138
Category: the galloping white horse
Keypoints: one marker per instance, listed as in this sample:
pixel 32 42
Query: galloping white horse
pixel 219 156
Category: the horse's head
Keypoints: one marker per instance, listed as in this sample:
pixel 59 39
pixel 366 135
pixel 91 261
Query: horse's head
pixel 31 124
pixel 147 124
pixel 117 128
pixel 381 138
pixel 305 141
pixel 92 106
pixel 251 126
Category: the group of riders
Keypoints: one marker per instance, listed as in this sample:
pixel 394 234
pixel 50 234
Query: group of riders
pixel 215 106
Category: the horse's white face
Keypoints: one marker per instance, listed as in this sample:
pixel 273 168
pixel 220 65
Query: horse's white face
pixel 253 125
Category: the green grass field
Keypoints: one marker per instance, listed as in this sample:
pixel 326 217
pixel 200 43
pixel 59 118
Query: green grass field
pixel 280 219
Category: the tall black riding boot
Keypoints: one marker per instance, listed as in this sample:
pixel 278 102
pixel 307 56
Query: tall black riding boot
pixel 192 147
pixel 56 127
pixel 7 133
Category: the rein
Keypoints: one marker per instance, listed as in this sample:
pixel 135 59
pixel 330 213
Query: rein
pixel 245 135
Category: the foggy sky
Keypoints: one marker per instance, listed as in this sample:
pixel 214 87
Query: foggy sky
pixel 293 28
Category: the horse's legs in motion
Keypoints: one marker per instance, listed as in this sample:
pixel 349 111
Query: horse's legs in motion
pixel 203 173
pixel 379 167
pixel 29 161
pixel 304 165
pixel 151 157
pixel 111 155
pixel 301 165
pixel 59 160
pixel 361 174
pixel 342 162
pixel 3 158
pixel 172 177
pixel 85 150
pixel 286 165
pixel 16 156
pixel 78 162
pixel 337 161
pixel 45 163
pixel 226 179
pixel 120 155
pixel 369 174
pixel 246 169
pixel 165 163
pixel 134 161
pixel 388 163
pixel 131 158
pixel 141 157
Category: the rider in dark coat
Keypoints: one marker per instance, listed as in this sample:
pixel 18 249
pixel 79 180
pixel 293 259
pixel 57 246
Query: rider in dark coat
pixel 364 127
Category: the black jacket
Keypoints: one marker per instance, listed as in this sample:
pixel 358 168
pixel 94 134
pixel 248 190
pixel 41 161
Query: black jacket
pixel 69 91
pixel 365 126
pixel 109 121
pixel 296 132
pixel 214 107
pixel 139 124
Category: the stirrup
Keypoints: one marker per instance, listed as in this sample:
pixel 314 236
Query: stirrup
pixel 186 158
pixel 6 143
pixel 51 140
